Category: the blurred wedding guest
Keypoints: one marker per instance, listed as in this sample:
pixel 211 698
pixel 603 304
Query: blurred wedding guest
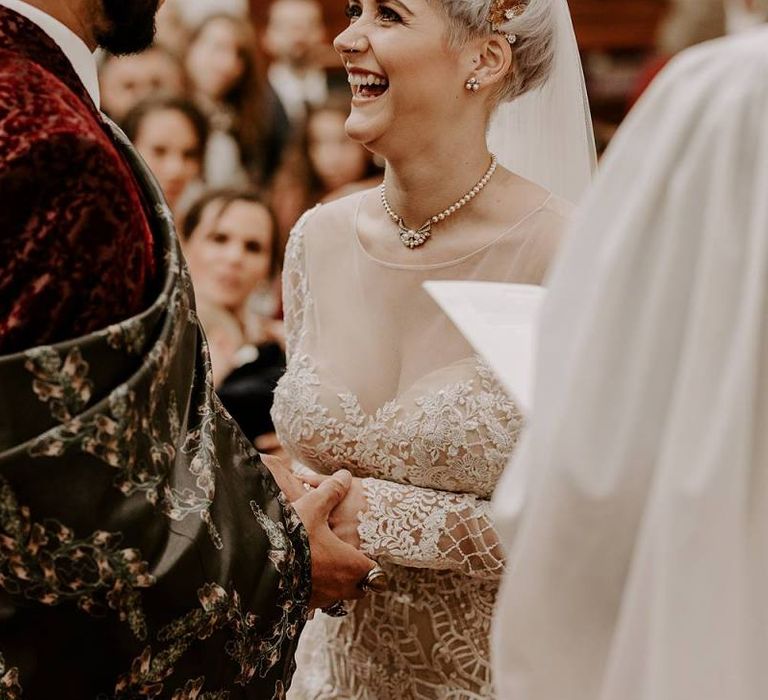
pixel 171 29
pixel 294 38
pixel 230 243
pixel 686 23
pixel 170 133
pixel 744 14
pixel 639 567
pixel 126 80
pixel 249 128
pixel 323 164
pixel 195 12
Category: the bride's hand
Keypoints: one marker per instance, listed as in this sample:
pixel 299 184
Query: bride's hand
pixel 292 487
pixel 344 517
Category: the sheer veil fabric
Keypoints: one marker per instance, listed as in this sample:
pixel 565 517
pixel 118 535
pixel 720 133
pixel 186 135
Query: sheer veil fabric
pixel 637 506
pixel 546 134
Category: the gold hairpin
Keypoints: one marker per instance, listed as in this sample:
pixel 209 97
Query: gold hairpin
pixel 504 10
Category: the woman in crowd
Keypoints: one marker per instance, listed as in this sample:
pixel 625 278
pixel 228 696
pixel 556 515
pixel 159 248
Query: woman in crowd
pixel 171 135
pixel 322 164
pixel 249 127
pixel 379 381
pixel 230 243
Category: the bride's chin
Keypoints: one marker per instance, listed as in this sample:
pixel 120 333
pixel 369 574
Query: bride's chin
pixel 364 130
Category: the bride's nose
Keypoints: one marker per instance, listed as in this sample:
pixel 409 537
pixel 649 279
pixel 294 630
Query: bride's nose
pixel 351 40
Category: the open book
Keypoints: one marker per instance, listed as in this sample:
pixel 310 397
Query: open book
pixel 500 321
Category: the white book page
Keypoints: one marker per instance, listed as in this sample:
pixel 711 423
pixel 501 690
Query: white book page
pixel 500 321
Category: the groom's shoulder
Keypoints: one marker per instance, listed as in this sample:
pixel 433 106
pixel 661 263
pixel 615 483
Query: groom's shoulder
pixel 37 107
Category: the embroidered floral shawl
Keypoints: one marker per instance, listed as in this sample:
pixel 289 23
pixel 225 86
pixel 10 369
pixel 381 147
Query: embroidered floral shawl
pixel 144 550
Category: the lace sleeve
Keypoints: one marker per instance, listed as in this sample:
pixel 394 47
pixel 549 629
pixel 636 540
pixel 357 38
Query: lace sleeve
pixel 295 292
pixel 430 529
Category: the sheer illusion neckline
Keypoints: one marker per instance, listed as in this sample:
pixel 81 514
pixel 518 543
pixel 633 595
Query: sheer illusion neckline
pixel 446 263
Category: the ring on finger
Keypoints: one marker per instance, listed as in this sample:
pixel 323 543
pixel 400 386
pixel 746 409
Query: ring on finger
pixel 375 580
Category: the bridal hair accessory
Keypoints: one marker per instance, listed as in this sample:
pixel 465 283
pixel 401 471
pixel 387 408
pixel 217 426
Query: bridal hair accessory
pixel 375 580
pixel 413 238
pixel 501 12
pixel 473 84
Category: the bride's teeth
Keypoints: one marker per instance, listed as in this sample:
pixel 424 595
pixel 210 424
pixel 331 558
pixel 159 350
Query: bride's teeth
pixel 356 79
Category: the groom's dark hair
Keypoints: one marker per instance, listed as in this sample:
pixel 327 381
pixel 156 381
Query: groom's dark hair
pixel 125 26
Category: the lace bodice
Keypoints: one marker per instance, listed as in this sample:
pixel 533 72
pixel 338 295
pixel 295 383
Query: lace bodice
pixel 380 382
pixel 456 438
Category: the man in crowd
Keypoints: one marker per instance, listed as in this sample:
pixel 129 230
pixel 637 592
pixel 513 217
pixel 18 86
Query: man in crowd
pixel 294 39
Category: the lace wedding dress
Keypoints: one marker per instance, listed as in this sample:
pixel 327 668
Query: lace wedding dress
pixel 381 383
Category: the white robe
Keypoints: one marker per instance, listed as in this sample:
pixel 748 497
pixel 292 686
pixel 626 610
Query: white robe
pixel 638 503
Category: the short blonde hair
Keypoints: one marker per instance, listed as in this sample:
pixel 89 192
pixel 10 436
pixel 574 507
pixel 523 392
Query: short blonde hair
pixel 533 52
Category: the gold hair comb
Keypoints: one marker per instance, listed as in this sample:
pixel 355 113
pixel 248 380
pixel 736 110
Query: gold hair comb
pixel 501 12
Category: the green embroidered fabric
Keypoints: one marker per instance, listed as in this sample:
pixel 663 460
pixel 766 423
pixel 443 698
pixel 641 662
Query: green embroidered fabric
pixel 145 551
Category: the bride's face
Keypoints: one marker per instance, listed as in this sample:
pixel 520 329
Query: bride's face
pixel 405 79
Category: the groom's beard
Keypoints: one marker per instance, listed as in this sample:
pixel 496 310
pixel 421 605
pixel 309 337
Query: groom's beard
pixel 127 26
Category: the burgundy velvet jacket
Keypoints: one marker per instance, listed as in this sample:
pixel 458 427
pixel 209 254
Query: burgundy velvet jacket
pixel 76 249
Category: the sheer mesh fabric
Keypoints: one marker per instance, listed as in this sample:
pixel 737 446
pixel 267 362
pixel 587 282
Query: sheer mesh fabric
pixel 381 383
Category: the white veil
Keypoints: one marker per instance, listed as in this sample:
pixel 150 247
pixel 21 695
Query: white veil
pixel 546 134
pixel 639 567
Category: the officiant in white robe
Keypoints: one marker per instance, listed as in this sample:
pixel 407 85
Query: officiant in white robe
pixel 637 508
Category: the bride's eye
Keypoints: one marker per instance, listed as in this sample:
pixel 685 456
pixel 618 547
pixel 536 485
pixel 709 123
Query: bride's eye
pixel 387 14
pixel 352 11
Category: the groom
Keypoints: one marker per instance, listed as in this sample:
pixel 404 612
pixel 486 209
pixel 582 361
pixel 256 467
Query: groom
pixel 145 551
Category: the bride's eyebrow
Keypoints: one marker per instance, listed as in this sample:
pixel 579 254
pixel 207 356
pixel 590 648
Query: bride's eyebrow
pixel 396 3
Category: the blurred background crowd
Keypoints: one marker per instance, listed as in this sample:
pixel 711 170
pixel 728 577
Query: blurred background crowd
pixel 239 110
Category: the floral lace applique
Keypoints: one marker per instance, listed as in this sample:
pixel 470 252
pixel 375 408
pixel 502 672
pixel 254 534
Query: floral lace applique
pixel 427 528
pixel 456 438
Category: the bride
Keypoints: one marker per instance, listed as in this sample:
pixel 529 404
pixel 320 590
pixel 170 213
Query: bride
pixel 378 381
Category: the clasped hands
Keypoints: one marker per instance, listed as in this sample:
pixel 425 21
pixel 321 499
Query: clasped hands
pixel 329 512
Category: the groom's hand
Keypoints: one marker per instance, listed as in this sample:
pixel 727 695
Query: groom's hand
pixel 337 567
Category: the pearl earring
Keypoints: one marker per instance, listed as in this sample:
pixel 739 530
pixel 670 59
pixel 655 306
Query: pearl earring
pixel 473 84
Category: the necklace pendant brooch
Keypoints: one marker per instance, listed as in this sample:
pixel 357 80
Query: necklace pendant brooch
pixel 413 238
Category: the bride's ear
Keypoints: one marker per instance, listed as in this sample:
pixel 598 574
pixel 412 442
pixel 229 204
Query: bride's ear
pixel 493 60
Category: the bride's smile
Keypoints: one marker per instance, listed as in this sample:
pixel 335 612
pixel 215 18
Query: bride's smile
pixel 366 85
pixel 396 53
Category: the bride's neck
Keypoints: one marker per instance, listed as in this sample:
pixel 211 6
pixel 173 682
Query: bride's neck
pixel 424 183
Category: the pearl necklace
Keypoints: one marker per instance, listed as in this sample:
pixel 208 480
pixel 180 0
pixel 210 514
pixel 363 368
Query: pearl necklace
pixel 413 238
